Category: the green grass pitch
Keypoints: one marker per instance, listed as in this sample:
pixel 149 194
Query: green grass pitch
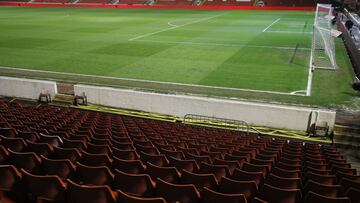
pixel 265 52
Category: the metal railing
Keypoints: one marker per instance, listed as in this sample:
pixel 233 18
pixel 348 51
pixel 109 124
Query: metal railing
pixel 217 122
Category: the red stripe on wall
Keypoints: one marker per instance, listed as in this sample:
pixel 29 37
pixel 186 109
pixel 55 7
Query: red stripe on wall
pixel 303 8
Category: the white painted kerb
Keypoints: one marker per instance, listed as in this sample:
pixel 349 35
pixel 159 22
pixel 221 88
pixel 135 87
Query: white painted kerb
pixel 26 88
pixel 275 116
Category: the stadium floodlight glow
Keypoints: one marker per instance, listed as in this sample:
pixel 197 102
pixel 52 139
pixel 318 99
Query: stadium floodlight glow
pixel 323 43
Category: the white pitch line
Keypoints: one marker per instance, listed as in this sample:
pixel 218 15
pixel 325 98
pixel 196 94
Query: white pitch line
pixel 289 32
pixel 277 20
pixel 298 91
pixel 170 24
pixel 174 27
pixel 224 45
pixel 148 81
pixel 309 82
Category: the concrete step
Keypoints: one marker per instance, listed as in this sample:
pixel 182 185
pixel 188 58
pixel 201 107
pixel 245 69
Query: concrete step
pixel 65 88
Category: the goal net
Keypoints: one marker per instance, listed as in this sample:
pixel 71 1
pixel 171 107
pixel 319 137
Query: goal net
pixel 323 45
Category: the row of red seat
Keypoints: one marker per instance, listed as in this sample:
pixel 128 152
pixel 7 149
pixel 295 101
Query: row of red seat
pixel 93 149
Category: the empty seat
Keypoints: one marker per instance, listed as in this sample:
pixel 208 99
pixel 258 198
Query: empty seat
pixel 73 154
pixel 341 175
pixel 348 183
pixel 16 144
pixel 128 154
pixel 47 187
pixel 353 194
pixel 93 175
pixel 187 165
pixel 95 159
pixel 284 183
pixel 159 160
pixel 98 149
pixel 63 168
pixel 52 140
pixel 312 197
pixel 184 193
pixel 199 180
pixel 317 171
pixel 241 175
pixel 264 169
pixel 218 170
pixel 322 189
pixel 140 185
pixel 286 173
pixel 128 166
pixel 4 155
pixel 247 188
pixel 175 154
pixel 323 179
pixel 240 159
pixel 26 160
pixel 168 174
pixel 90 194
pixel 147 149
pixel 29 136
pixel 210 196
pixel 274 194
pixel 290 167
pixel 10 178
pixel 126 198
pixel 346 170
pixel 39 148
pixel 198 158
pixel 231 164
pixel 8 132
pixel 68 143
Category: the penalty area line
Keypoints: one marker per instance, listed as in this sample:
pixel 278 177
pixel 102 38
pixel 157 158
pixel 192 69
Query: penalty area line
pixel 175 26
pixel 277 20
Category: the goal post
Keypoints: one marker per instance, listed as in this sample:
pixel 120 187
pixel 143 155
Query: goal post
pixel 323 43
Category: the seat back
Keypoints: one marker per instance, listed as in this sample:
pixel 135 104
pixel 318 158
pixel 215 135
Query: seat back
pixel 168 174
pixel 128 166
pixel 126 198
pixel 184 193
pixel 48 187
pixel 91 194
pixel 248 188
pixel 93 175
pixel 210 196
pixel 312 197
pixel 140 185
pixel 60 167
pixel 199 180
pixel 274 194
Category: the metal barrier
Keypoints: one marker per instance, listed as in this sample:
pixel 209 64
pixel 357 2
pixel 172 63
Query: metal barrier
pixel 217 122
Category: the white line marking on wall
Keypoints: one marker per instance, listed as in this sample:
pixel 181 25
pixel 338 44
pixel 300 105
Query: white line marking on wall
pixel 175 26
pixel 277 20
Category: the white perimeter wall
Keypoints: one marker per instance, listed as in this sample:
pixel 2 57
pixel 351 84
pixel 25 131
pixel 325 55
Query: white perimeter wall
pixel 275 116
pixel 26 88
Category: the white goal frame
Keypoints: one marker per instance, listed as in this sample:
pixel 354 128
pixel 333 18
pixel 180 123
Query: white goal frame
pixel 323 43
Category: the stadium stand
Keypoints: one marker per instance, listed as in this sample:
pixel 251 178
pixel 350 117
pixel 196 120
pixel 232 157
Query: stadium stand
pixel 93 2
pixel 227 3
pixel 132 2
pixel 174 2
pixel 99 157
pixel 52 1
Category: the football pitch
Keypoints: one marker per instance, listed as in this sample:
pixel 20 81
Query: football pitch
pixel 256 55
